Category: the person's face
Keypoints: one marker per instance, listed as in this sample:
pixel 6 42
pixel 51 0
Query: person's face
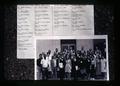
pixel 71 57
pixel 56 50
pixel 58 55
pixel 40 55
pixel 65 50
pixel 53 57
pixel 82 48
pixel 64 54
pixel 74 59
pixel 49 51
pixel 44 56
pixel 96 48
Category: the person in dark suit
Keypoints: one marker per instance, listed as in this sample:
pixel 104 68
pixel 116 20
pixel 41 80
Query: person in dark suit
pixel 57 66
pixel 39 65
pixel 61 68
pixel 54 67
pixel 75 71
pixel 88 63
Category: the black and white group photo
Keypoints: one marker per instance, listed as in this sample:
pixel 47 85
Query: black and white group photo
pixel 71 59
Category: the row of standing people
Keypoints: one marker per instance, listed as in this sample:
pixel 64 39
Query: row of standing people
pixel 70 64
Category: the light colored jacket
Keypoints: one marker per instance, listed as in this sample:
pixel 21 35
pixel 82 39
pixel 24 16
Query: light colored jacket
pixel 68 66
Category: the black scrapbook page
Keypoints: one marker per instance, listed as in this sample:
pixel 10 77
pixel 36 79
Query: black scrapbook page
pixel 77 48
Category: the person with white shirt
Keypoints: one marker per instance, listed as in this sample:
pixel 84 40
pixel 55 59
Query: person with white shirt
pixel 93 67
pixel 68 69
pixel 44 63
pixel 49 57
pixel 103 67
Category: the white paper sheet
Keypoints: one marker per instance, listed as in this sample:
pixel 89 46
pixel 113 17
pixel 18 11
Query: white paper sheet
pixel 51 20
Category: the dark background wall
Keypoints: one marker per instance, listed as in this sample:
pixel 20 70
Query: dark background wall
pixel 20 69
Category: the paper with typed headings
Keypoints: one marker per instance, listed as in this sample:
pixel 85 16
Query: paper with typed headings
pixel 51 20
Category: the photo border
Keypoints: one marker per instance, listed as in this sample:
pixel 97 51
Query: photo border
pixel 72 37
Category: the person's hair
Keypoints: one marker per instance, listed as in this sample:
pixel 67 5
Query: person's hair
pixel 47 53
pixel 44 56
pixel 56 49
pixel 40 54
pixel 82 47
pixel 53 57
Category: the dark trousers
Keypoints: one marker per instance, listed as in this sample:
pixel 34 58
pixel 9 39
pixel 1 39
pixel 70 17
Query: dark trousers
pixel 103 74
pixel 88 72
pixel 92 71
pixel 68 76
pixel 61 73
pixel 58 74
pixel 49 74
pixel 54 72
pixel 45 74
pixel 75 74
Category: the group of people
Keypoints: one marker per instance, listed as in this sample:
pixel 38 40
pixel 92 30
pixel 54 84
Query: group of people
pixel 72 65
